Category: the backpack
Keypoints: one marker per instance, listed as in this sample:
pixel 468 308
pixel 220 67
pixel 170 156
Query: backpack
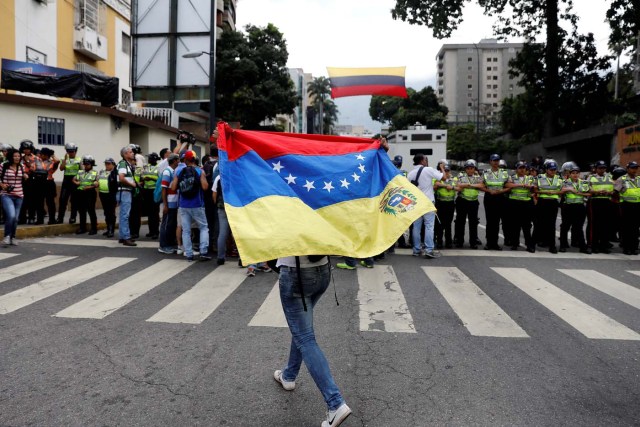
pixel 112 181
pixel 157 192
pixel 189 183
pixel 415 181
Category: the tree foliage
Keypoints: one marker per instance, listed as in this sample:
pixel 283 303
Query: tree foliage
pixel 624 20
pixel 252 80
pixel 421 106
pixel 320 90
pixel 524 18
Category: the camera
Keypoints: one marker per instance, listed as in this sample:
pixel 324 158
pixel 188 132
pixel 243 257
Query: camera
pixel 188 137
pixel 10 188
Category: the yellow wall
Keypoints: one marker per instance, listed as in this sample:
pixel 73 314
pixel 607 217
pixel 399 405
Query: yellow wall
pixel 7 29
pixel 65 39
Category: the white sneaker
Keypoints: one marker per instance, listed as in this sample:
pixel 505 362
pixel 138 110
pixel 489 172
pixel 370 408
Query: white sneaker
pixel 195 253
pixel 287 385
pixel 14 241
pixel 180 250
pixel 335 418
pixel 6 241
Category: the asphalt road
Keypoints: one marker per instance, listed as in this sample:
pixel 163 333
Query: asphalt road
pixel 99 334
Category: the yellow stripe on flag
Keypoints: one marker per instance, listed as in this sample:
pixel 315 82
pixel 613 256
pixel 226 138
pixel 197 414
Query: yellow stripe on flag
pixel 382 71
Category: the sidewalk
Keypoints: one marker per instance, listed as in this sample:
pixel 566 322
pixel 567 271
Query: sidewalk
pixel 27 231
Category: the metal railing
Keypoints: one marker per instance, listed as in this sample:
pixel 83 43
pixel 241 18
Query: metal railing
pixel 167 116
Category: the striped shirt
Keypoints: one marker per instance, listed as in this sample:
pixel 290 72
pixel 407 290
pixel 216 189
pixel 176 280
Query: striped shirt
pixel 172 195
pixel 13 177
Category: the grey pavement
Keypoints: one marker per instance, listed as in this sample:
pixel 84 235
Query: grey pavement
pixel 90 338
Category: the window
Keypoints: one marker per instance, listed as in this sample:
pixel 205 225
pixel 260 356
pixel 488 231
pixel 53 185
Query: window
pixel 469 59
pixel 495 86
pixel 495 77
pixel 35 56
pixel 495 104
pixel 495 95
pixel 488 59
pixel 469 104
pixel 469 68
pixel 488 86
pixel 425 151
pixel 469 77
pixel 488 68
pixel 422 137
pixel 50 131
pixel 126 44
pixel 488 77
pixel 489 96
pixel 469 87
pixel 495 68
pixel 495 59
pixel 469 95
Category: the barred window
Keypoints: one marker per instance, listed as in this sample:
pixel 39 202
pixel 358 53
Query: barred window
pixel 50 131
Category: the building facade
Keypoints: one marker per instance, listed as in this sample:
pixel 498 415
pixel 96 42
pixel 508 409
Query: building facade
pixel 91 36
pixel 473 79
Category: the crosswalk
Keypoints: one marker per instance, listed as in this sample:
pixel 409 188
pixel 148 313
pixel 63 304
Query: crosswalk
pixel 381 302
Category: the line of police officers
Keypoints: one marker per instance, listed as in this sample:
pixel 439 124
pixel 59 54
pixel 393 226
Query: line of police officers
pixel 78 189
pixel 532 197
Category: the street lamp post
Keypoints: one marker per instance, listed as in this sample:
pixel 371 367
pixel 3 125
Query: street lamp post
pixel 478 92
pixel 212 67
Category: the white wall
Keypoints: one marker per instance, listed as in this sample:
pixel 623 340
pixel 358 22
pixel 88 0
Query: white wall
pixel 36 27
pixel 95 134
pixel 123 61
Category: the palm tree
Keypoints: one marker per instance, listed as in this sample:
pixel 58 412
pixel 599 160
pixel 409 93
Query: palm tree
pixel 319 87
pixel 330 116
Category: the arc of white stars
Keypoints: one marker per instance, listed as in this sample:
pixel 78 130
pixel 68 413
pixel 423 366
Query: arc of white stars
pixel 360 157
pixel 355 177
pixel 345 183
pixel 277 166
pixel 309 185
pixel 361 167
pixel 328 186
pixel 291 179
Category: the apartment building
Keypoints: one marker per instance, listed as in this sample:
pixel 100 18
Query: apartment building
pixel 473 79
pixel 65 37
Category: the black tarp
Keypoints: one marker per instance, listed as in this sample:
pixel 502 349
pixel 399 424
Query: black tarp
pixel 85 86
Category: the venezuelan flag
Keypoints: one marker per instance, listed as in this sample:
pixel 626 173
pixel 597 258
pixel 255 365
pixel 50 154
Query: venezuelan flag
pixel 296 194
pixel 367 81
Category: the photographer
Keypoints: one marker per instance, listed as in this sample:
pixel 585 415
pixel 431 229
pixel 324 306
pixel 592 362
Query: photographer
pixel 127 186
pixel 12 175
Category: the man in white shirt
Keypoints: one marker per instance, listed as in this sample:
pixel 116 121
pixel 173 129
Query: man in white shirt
pixel 424 176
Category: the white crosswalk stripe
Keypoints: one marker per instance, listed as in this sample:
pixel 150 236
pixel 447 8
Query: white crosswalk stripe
pixel 105 302
pixel 615 288
pixel 45 288
pixel 383 307
pixel 479 314
pixel 270 312
pixel 381 302
pixel 587 320
pixel 195 305
pixel 27 267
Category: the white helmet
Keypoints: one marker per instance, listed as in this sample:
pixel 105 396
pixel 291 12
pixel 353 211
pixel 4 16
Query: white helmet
pixel 471 163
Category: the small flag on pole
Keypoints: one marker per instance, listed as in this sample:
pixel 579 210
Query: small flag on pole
pixel 387 81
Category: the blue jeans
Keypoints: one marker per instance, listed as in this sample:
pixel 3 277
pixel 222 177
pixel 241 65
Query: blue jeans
pixel 303 340
pixel 124 200
pixel 223 233
pixel 11 206
pixel 198 215
pixel 429 222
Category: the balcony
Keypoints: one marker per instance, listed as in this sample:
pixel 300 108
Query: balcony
pixel 167 116
pixel 89 43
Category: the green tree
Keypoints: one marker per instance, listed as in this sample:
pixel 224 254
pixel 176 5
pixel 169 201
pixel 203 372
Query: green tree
pixel 252 80
pixel 623 17
pixel 330 116
pixel 524 18
pixel 319 88
pixel 421 106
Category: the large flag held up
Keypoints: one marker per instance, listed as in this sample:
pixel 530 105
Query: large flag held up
pixel 387 81
pixel 296 194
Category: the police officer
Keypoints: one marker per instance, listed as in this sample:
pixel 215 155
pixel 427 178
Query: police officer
pixel 600 209
pixel 469 186
pixel 445 205
pixel 149 178
pixel 574 211
pixel 107 199
pixel 86 181
pixel 549 189
pixel 45 165
pixel 28 212
pixel 70 165
pixel 628 186
pixel 494 202
pixel 520 207
pixel 136 202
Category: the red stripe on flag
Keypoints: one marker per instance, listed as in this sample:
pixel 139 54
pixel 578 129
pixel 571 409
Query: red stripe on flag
pixel 274 144
pixel 338 92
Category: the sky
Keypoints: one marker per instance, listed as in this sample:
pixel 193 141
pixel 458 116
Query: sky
pixel 361 33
